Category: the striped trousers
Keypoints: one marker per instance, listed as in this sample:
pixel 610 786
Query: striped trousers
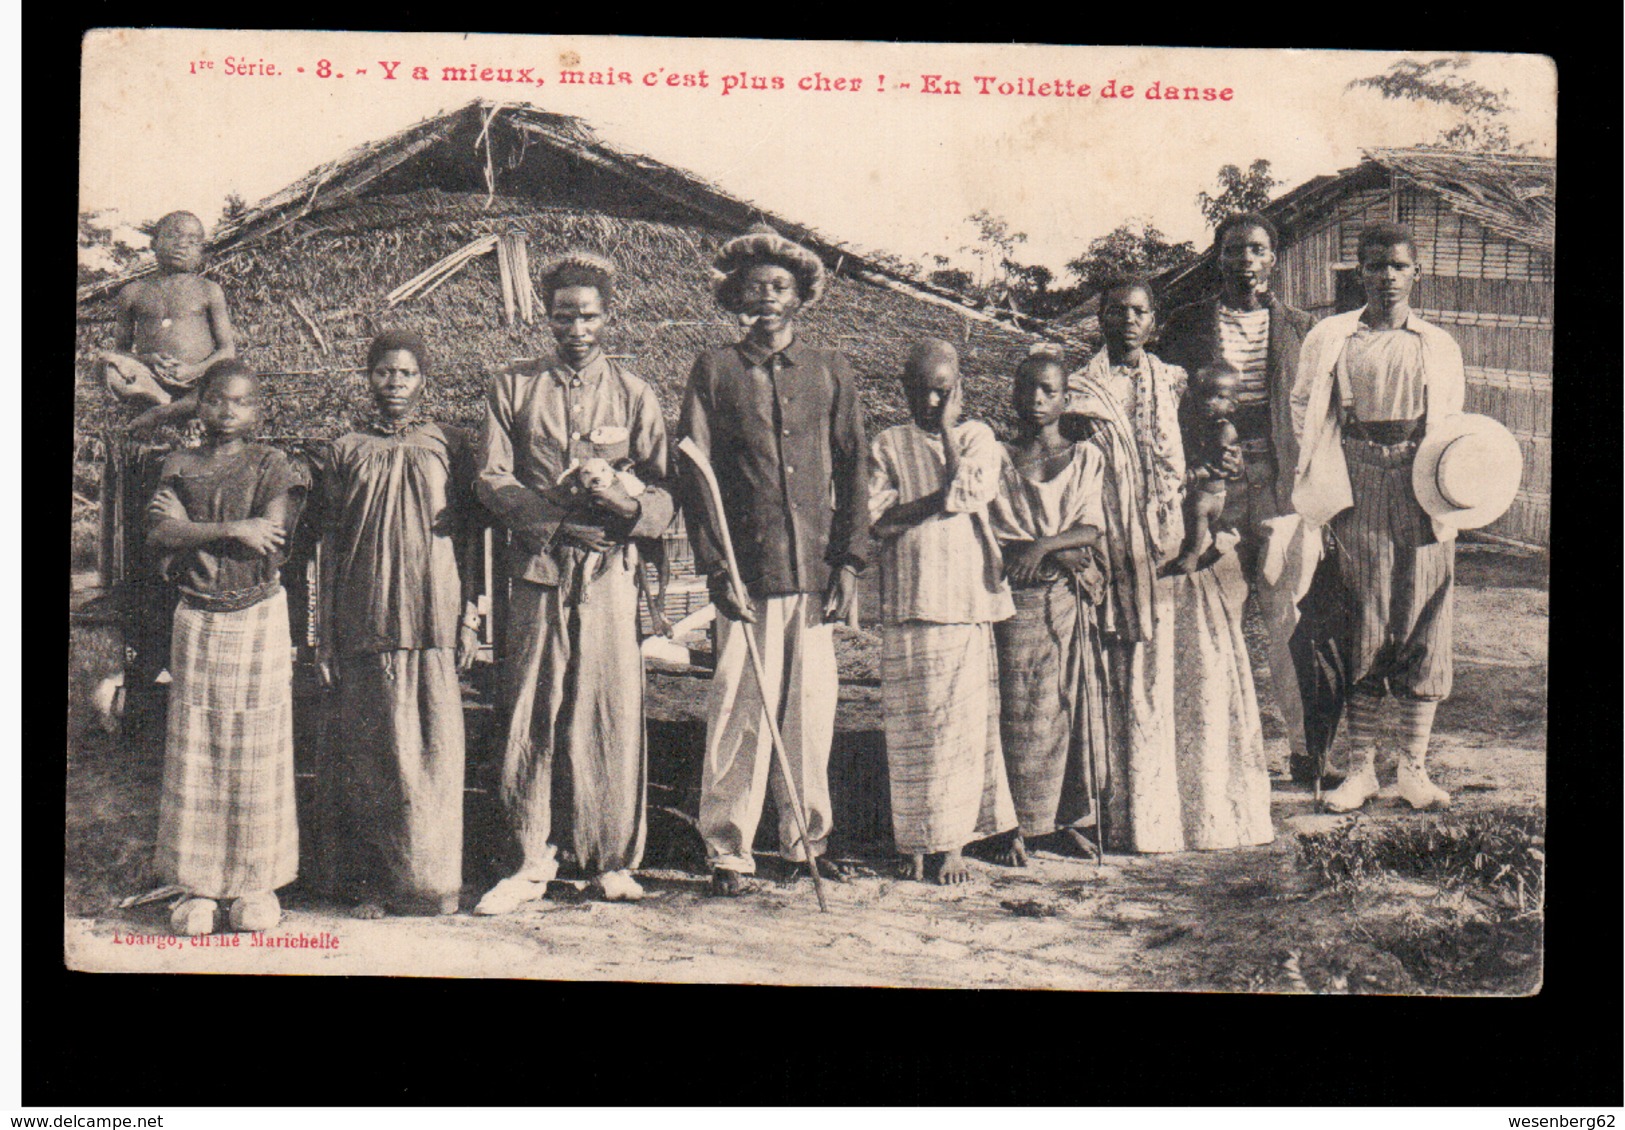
pixel 1400 577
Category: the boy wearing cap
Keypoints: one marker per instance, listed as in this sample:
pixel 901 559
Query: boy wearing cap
pixel 1370 384
pixel 779 421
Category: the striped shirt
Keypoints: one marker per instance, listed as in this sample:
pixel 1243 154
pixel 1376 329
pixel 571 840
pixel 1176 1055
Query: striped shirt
pixel 947 569
pixel 1028 509
pixel 1244 340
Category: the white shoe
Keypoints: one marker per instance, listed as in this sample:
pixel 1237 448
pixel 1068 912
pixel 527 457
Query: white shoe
pixel 528 885
pixel 1419 792
pixel 255 913
pixel 509 895
pixel 1355 790
pixel 618 886
pixel 194 917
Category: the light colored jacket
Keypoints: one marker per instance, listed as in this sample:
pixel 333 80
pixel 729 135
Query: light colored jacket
pixel 1322 489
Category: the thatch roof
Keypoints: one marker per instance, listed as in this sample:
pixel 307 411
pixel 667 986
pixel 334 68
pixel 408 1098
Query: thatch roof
pixel 334 243
pixel 1513 196
pixel 488 145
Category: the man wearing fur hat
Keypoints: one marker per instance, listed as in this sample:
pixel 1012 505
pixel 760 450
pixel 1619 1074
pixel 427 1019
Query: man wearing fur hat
pixel 1379 396
pixel 780 422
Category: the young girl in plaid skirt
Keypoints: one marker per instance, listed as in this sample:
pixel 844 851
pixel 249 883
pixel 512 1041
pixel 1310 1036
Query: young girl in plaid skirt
pixel 222 514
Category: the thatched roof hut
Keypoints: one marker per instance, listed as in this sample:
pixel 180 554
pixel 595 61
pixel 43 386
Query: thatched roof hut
pixel 1486 225
pixel 307 272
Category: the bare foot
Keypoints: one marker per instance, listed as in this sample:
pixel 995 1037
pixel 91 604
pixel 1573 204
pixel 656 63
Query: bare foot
pixel 369 911
pixel 1074 842
pixel 194 917
pixel 1013 852
pixel 254 913
pixel 729 884
pixel 912 867
pixel 827 869
pixel 953 870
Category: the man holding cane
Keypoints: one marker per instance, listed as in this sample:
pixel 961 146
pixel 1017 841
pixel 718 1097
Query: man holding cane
pixel 779 421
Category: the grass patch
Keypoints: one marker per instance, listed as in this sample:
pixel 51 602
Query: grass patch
pixel 1501 852
pixel 1484 934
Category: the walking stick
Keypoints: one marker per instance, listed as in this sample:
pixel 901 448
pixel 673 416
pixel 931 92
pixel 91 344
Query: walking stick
pixel 689 448
pixel 1095 765
pixel 1094 780
pixel 1088 656
pixel 1320 774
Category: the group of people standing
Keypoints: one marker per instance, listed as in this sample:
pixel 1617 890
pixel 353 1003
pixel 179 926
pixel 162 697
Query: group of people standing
pixel 1063 661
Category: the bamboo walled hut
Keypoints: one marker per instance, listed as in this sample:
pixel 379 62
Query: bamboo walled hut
pixel 439 228
pixel 1486 224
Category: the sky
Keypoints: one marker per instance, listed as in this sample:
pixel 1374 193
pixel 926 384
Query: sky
pixel 164 127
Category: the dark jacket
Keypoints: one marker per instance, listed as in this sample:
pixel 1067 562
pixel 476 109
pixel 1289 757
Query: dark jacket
pixel 784 435
pixel 1190 339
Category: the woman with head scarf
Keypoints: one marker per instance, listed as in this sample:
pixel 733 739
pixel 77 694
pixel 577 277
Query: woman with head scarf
pixel 398 622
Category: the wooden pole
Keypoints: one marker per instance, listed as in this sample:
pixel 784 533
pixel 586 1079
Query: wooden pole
pixel 689 448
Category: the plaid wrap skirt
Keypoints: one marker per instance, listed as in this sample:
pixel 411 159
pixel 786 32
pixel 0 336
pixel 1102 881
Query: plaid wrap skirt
pixel 227 824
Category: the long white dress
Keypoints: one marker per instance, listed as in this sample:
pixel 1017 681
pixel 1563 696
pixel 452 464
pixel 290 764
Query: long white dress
pixel 1188 770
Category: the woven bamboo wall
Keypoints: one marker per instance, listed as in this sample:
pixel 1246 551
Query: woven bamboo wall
pixel 1302 276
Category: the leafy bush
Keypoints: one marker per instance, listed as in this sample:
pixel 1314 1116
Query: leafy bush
pixel 1501 852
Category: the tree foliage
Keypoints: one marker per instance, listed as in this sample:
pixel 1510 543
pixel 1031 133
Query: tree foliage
pixel 101 253
pixel 995 246
pixel 1442 81
pixel 954 279
pixel 1238 191
pixel 1028 280
pixel 1001 280
pixel 1135 247
pixel 233 208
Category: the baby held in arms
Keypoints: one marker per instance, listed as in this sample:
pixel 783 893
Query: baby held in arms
pixel 1210 436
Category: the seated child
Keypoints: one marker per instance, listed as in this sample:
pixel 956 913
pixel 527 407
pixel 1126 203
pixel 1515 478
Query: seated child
pixel 1208 435
pixel 930 483
pixel 171 327
pixel 223 513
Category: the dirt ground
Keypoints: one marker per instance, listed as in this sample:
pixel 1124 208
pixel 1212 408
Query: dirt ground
pixel 1247 920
